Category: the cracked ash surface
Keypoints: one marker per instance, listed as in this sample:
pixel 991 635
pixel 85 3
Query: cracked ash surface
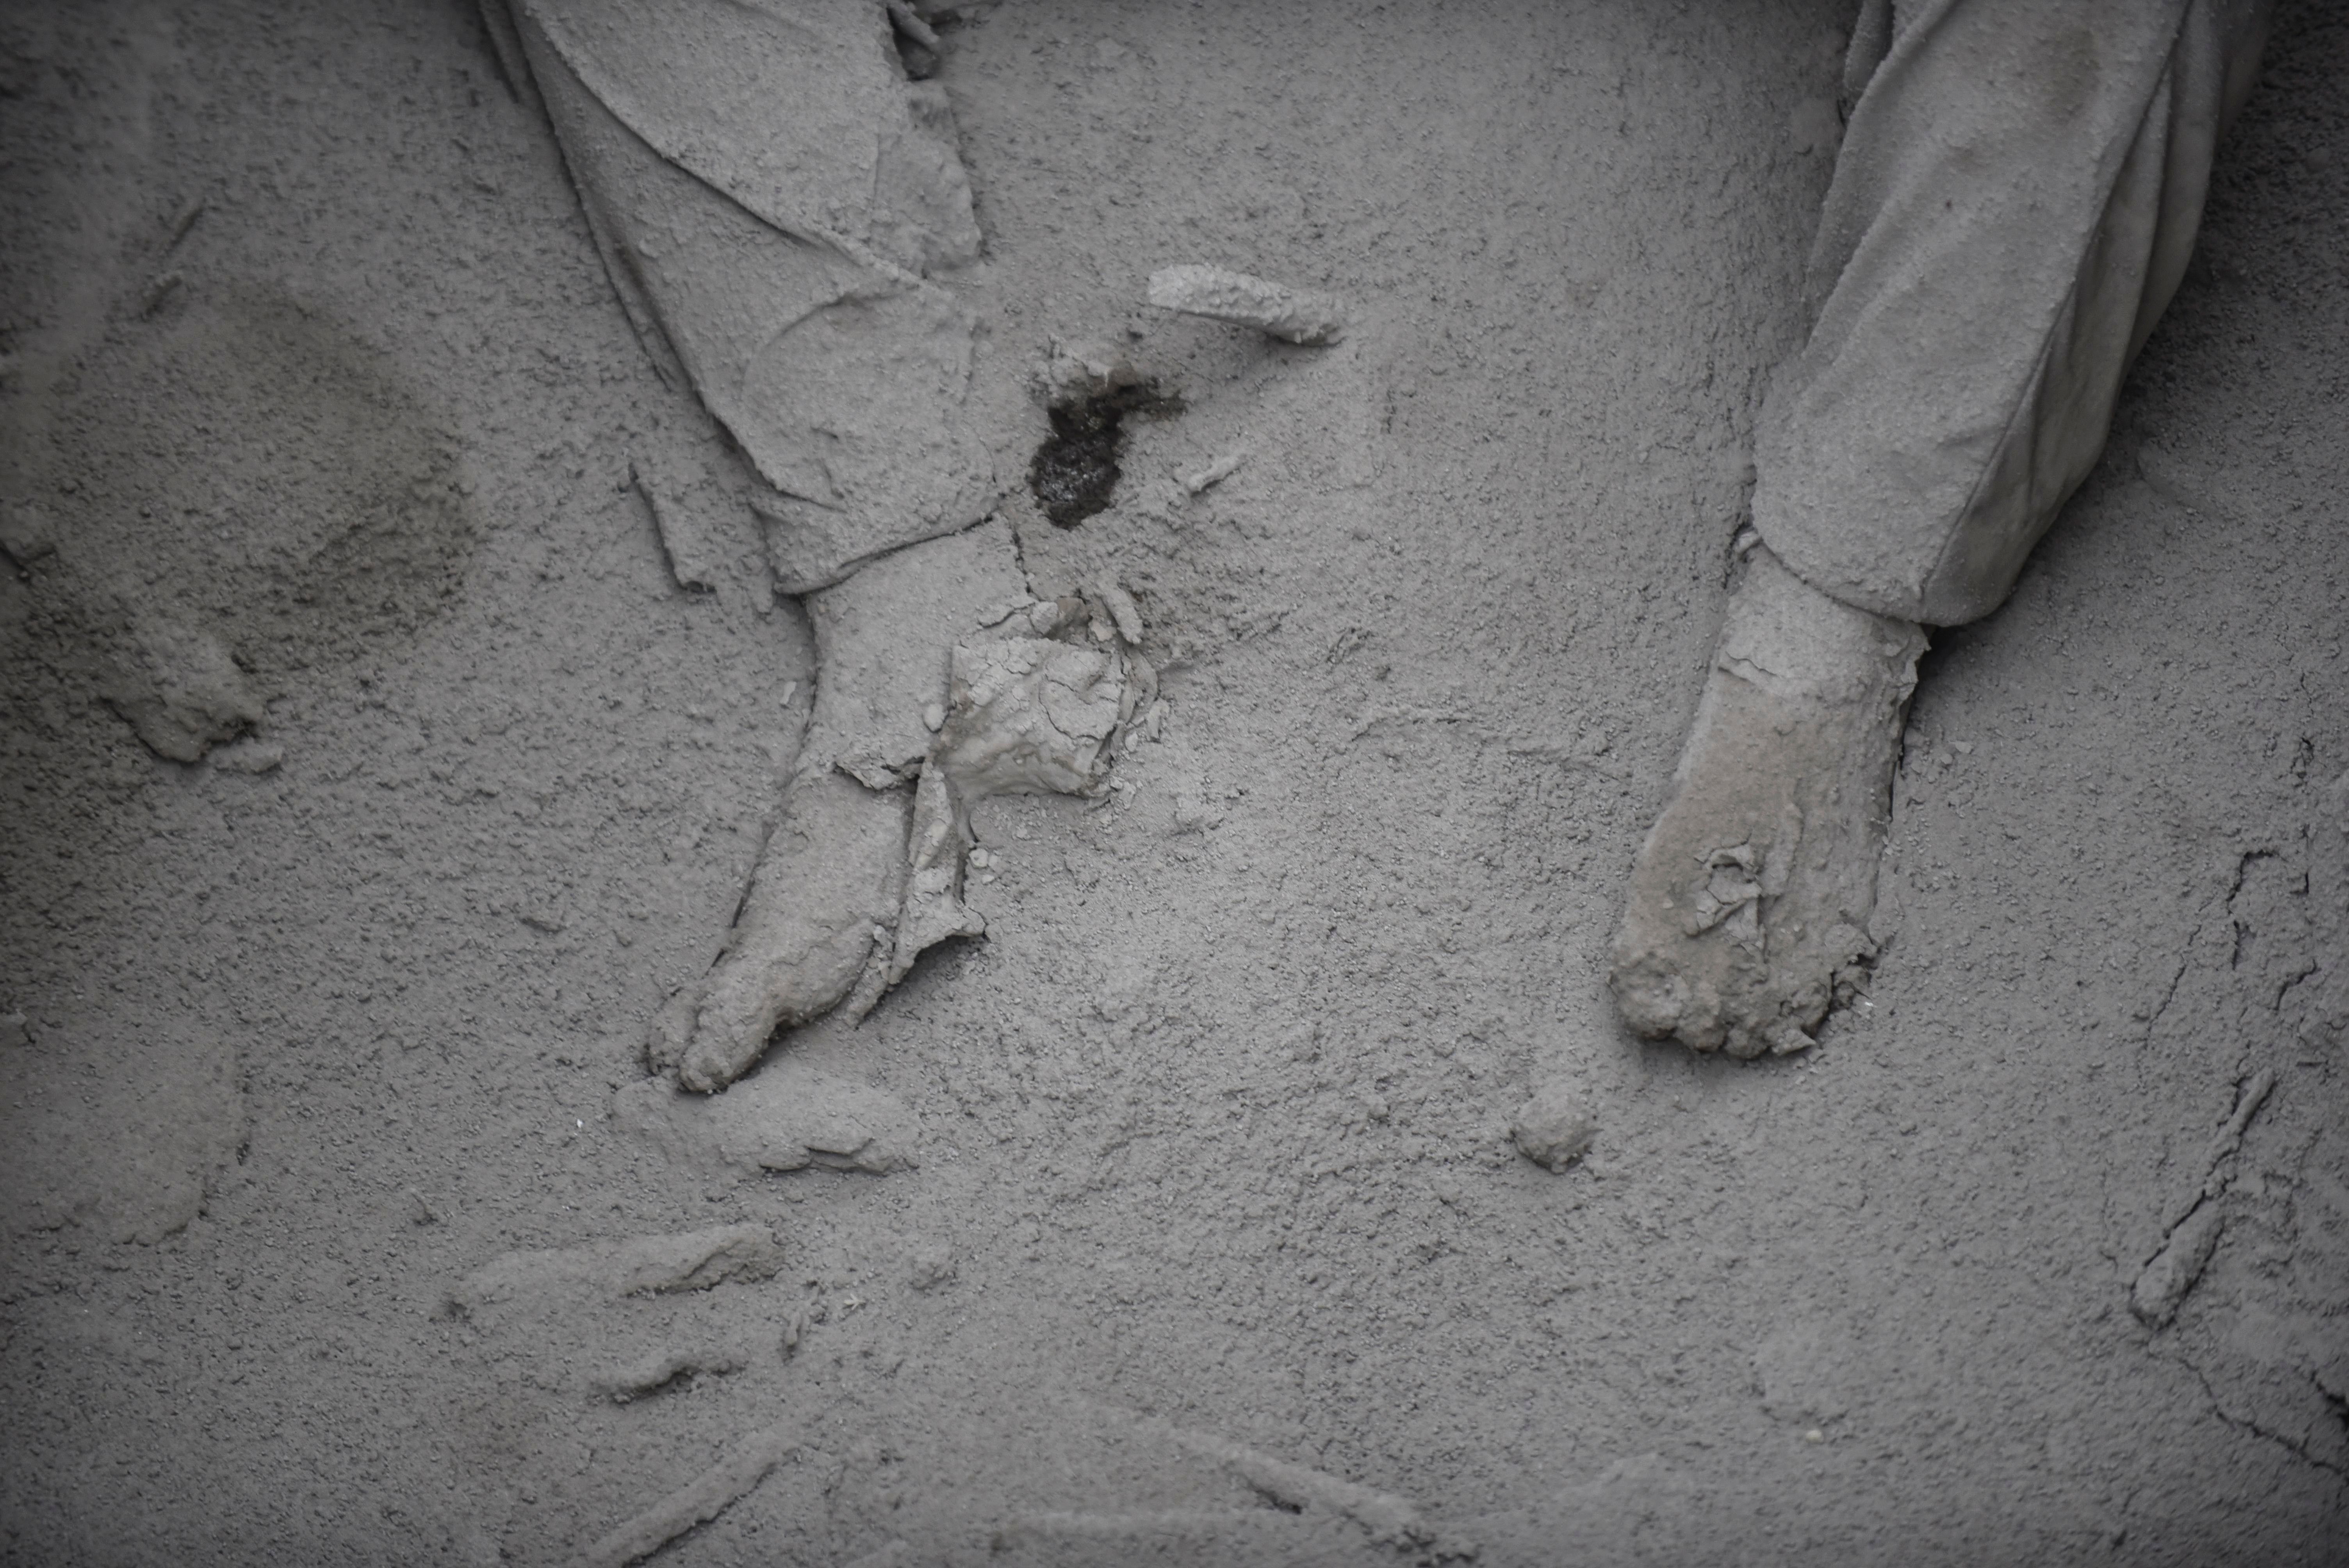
pixel 1180 1214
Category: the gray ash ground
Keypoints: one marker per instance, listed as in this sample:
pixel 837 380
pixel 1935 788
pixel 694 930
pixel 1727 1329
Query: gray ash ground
pixel 1213 1131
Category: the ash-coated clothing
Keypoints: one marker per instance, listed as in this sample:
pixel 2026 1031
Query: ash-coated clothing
pixel 769 196
pixel 2012 207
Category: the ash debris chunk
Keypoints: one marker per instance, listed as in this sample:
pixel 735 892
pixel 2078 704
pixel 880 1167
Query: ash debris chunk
pixel 1028 715
pixel 2162 1285
pixel 789 1116
pixel 1293 316
pixel 2196 1224
pixel 1554 1129
pixel 639 1265
pixel 651 1373
pixel 750 1461
pixel 179 689
pixel 26 535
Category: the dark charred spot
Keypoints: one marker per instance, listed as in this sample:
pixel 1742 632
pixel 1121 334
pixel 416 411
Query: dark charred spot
pixel 1075 471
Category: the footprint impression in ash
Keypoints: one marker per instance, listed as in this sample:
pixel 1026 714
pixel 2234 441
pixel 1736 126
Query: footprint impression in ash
pixel 237 491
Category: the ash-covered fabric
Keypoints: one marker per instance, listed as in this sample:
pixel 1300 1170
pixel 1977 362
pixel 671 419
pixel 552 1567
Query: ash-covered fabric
pixel 2012 207
pixel 769 195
